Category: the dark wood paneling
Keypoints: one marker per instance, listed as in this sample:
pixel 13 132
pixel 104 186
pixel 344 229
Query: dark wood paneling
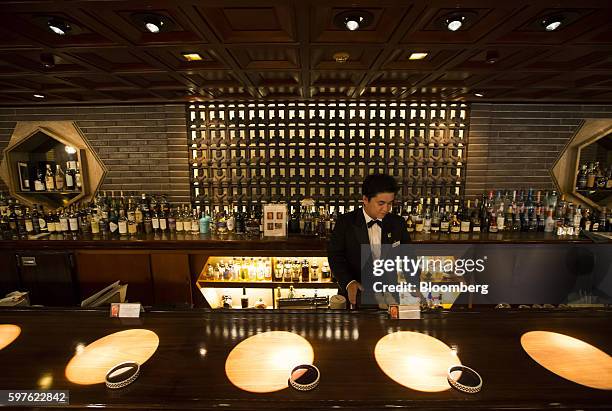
pixel 99 269
pixel 51 281
pixel 9 277
pixel 171 279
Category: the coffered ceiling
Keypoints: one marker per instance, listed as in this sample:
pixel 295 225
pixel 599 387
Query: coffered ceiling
pixel 285 50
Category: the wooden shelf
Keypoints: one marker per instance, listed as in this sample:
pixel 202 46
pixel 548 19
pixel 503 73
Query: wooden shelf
pixel 263 284
pixel 63 193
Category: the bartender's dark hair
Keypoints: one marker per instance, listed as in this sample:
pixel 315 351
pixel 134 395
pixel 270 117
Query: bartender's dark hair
pixel 378 183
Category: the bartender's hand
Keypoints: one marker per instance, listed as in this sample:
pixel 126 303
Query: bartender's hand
pixel 352 291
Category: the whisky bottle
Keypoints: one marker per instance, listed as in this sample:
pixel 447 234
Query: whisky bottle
pixel 581 183
pixel 179 220
pixel 465 219
pixel 195 222
pixel 163 220
pixel 444 222
pixel 59 178
pixel 231 220
pixel 147 222
pixel 42 222
pixel 50 178
pixel 35 220
pixel 244 300
pixel 325 271
pixel 204 223
pixel 122 223
pixel 455 225
pixel 39 180
pixel 69 177
pixel 305 271
pixel 63 221
pixel 29 227
pixel 172 220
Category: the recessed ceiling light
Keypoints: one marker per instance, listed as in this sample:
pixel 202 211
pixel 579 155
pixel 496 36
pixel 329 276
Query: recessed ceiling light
pixel 353 20
pixel 38 95
pixel 47 60
pixel 456 20
pixel 492 57
pixel 153 23
pixel 58 26
pixel 552 23
pixel 341 57
pixel 192 56
pixel 417 56
pixel 479 94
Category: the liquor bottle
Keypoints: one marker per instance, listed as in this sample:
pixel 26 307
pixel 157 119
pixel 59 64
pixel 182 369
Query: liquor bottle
pixel 172 220
pixel 113 221
pixel 455 225
pixel 35 220
pixel 179 220
pixel 163 220
pixel 73 221
pixel 204 223
pixel 122 223
pixel 314 272
pixel 154 220
pixel 418 222
pixel 95 224
pixel 465 219
pixel 591 176
pixel 444 221
pixel 12 219
pixel 63 221
pixel 42 222
pixel 195 222
pixel 550 223
pixel 244 300
pixel 240 226
pixel 22 230
pixel 147 222
pixel 581 181
pixel 24 177
pixel 59 178
pixel 39 180
pixel 49 178
pixel 305 271
pixel 435 219
pixel 29 227
pixel 221 221
pixel 427 220
pixel 69 177
pixel 231 220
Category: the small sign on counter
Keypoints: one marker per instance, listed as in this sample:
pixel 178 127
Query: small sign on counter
pixel 125 310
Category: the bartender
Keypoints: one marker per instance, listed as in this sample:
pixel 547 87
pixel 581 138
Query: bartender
pixel 371 224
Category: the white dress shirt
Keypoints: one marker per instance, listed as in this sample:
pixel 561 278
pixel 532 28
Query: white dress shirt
pixel 375 236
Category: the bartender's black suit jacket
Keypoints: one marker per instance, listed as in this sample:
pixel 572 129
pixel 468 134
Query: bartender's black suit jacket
pixel 344 247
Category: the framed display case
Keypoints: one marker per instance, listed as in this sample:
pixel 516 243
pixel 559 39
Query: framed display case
pixel 264 281
pixel 50 163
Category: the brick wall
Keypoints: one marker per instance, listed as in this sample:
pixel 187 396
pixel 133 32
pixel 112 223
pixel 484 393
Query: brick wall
pixel 512 146
pixel 144 147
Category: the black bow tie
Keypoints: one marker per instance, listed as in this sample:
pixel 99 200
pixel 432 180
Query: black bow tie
pixel 372 222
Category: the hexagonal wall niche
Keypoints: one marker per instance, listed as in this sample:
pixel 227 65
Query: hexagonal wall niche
pixel 565 170
pixel 36 147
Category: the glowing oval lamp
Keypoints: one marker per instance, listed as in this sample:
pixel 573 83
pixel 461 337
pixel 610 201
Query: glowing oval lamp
pixel 8 334
pixel 90 365
pixel 263 363
pixel 569 358
pixel 415 360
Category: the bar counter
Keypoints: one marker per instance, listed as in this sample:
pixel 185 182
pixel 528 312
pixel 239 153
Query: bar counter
pixel 182 241
pixel 188 369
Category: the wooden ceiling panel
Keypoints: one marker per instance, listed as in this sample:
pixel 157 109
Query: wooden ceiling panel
pixel 266 58
pixel 272 24
pixel 284 49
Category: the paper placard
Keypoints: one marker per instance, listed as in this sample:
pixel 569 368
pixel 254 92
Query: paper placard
pixel 125 310
pixel 275 220
pixel 405 311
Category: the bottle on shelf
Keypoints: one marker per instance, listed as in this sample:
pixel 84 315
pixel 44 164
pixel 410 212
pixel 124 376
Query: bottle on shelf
pixel 244 300
pixel 50 178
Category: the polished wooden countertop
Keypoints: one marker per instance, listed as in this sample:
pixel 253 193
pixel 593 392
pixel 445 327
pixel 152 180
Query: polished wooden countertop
pixel 187 241
pixel 188 369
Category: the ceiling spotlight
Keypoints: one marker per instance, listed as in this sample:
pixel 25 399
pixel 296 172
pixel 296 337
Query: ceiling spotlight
pixel 38 95
pixel 341 57
pixel 456 20
pixel 492 57
pixel 192 56
pixel 58 26
pixel 153 23
pixel 479 94
pixel 353 20
pixel 417 56
pixel 552 23
pixel 47 60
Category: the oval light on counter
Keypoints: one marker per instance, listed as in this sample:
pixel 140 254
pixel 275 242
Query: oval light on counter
pixel 91 364
pixel 570 358
pixel 263 363
pixel 8 334
pixel 415 360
